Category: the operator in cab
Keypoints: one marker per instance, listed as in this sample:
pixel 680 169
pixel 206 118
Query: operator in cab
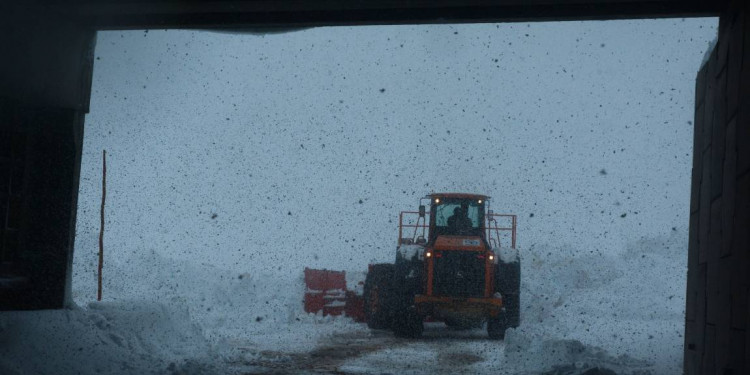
pixel 459 222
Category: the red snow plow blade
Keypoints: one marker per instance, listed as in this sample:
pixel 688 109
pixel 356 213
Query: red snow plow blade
pixel 326 292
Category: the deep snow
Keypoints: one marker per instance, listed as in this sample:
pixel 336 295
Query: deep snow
pixel 103 338
pixel 236 160
pixel 578 310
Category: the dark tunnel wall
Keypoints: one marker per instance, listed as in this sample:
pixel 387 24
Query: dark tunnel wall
pixel 44 95
pixel 39 169
pixel 717 315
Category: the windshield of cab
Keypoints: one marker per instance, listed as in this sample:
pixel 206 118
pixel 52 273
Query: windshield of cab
pixel 458 217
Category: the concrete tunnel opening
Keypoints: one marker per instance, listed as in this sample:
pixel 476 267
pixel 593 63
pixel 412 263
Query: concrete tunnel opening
pixel 717 325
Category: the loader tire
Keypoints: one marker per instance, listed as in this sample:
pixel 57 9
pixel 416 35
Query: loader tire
pixel 512 310
pixel 508 283
pixel 407 277
pixel 377 294
pixel 508 277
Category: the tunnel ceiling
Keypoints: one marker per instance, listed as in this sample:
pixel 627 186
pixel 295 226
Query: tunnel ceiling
pixel 141 14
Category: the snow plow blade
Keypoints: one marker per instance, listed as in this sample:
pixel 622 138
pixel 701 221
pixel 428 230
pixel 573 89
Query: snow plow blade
pixel 326 293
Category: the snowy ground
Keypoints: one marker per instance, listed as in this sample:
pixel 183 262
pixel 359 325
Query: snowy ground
pixel 579 311
pixel 108 338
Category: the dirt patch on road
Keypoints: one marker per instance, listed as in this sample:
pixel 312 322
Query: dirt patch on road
pixel 458 359
pixel 325 358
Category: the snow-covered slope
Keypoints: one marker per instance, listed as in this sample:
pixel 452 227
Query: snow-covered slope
pixel 104 338
pixel 629 304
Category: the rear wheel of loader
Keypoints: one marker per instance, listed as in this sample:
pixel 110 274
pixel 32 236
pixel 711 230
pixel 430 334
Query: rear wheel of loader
pixel 377 292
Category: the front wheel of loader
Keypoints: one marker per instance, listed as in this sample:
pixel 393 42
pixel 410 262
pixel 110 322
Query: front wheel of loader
pixel 508 283
pixel 377 292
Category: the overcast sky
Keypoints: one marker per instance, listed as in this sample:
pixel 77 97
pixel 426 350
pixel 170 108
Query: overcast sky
pixel 300 149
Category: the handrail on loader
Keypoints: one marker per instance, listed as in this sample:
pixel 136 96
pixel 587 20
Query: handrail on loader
pixel 492 229
pixel 416 226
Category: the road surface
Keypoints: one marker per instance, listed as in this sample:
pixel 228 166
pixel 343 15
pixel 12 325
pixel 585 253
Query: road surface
pixel 441 350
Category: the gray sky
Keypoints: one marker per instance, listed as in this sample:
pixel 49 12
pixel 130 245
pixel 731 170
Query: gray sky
pixel 583 129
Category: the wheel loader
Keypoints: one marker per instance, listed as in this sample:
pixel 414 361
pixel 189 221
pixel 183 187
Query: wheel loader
pixel 450 266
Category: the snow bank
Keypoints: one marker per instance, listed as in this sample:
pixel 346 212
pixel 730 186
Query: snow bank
pixel 570 357
pixel 162 315
pixel 107 338
pixel 583 306
pixel 243 316
pixel 213 296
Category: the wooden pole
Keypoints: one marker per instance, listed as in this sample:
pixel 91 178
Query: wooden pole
pixel 101 228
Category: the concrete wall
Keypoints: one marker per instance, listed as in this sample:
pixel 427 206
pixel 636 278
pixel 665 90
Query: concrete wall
pixel 717 335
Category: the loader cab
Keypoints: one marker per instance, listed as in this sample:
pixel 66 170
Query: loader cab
pixel 457 215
